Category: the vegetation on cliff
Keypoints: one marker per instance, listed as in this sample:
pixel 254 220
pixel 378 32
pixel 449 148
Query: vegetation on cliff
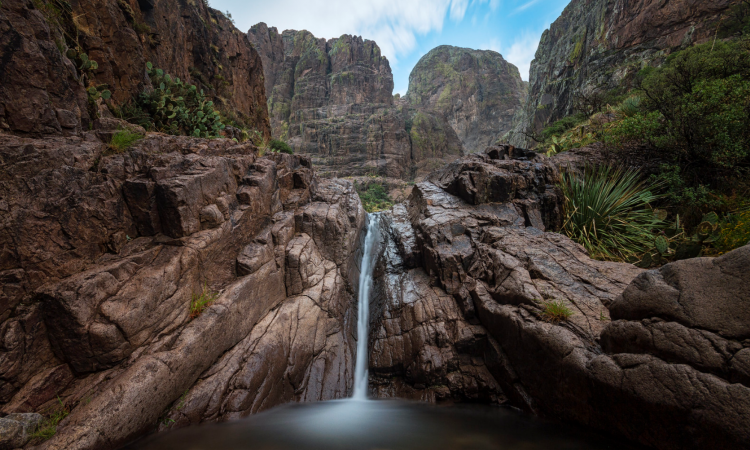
pixel 688 122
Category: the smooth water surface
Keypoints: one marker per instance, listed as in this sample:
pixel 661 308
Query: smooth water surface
pixel 382 425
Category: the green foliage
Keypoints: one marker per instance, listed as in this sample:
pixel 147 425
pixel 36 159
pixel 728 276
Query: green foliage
pixel 278 146
pixel 674 243
pixel 608 211
pixel 201 301
pixel 630 106
pixel 734 232
pixel 174 107
pixel 555 311
pixel 374 197
pixel 123 140
pixel 48 427
pixel 695 116
pixel 563 125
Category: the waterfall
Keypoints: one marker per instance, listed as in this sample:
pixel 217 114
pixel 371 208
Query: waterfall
pixel 363 301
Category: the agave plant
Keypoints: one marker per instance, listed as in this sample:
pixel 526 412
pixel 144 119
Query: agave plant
pixel 608 211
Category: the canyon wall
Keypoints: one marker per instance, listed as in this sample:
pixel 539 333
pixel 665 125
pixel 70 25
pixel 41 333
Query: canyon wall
pixel 476 91
pixel 598 46
pixel 43 84
pixel 467 271
pixel 332 100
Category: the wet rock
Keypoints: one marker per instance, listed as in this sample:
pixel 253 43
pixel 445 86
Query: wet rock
pixel 465 320
pixel 109 329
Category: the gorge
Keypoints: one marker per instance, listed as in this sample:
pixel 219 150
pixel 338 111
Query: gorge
pixel 151 289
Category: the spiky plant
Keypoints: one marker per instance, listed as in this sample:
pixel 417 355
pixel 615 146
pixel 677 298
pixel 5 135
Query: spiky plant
pixel 608 211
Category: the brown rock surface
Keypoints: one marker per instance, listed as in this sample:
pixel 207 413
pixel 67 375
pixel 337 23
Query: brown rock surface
pixel 42 92
pixel 466 261
pixel 102 256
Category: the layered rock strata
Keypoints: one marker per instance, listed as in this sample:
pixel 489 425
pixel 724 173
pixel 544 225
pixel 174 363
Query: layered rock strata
pixel 332 100
pixel 657 357
pixel 104 257
pixel 597 46
pixel 476 91
pixel 43 84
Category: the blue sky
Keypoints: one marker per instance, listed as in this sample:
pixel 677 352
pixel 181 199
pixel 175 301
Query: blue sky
pixel 407 29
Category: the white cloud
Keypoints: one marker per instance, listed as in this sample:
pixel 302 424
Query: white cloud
pixel 526 5
pixel 393 24
pixel 522 51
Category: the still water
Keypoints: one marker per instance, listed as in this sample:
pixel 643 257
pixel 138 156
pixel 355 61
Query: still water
pixel 382 425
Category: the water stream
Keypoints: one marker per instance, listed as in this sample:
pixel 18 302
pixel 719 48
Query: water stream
pixel 363 303
pixel 358 424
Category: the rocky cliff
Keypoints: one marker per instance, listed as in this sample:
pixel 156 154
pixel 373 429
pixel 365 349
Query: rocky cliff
pixel 332 100
pixel 44 81
pixel 106 256
pixel 476 91
pixel 467 272
pixel 598 46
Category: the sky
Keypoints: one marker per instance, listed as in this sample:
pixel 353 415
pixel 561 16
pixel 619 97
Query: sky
pixel 406 30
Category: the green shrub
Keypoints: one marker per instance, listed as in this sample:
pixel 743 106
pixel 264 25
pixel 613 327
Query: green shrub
pixel 201 301
pixel 374 197
pixel 278 146
pixel 563 125
pixel 734 232
pixel 608 211
pixel 630 106
pixel 174 107
pixel 695 116
pixel 123 140
pixel 555 311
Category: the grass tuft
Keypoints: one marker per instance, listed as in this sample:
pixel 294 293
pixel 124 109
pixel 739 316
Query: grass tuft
pixel 201 301
pixel 555 311
pixel 48 427
pixel 123 140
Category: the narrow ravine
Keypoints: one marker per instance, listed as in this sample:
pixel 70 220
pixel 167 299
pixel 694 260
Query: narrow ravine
pixel 363 303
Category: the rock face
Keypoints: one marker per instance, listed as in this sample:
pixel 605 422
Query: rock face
pixel 458 314
pixel 476 91
pixel 332 100
pixel 43 91
pixel 103 256
pixel 596 46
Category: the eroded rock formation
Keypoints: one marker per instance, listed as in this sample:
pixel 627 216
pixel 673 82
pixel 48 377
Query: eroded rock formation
pixel 332 100
pixel 43 91
pixel 658 357
pixel 103 255
pixel 596 46
pixel 476 91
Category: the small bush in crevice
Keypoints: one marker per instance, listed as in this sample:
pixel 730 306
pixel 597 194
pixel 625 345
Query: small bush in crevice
pixel 278 146
pixel 201 301
pixel 555 311
pixel 173 107
pixel 374 197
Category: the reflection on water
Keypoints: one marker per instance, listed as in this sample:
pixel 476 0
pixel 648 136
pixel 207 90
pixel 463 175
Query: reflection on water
pixel 382 425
